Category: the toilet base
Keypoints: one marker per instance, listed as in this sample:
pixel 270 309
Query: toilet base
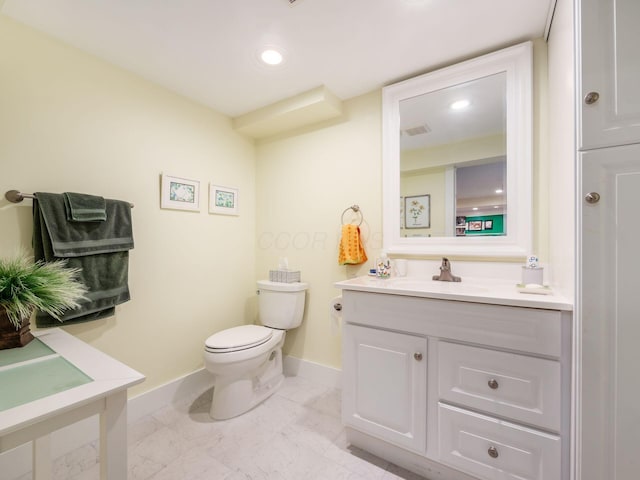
pixel 233 396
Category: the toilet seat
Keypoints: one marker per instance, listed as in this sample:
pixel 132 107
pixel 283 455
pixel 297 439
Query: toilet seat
pixel 238 338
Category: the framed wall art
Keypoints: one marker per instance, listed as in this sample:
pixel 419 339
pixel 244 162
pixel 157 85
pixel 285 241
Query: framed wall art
pixel 179 193
pixel 223 200
pixel 417 211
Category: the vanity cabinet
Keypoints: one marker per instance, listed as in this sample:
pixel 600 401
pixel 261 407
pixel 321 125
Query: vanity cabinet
pixel 608 76
pixel 457 389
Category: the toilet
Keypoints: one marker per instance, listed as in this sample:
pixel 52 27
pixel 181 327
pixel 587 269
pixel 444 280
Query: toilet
pixel 247 360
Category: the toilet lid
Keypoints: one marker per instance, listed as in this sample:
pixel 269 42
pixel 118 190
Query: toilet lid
pixel 245 336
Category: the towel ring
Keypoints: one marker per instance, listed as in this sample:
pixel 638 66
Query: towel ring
pixel 356 209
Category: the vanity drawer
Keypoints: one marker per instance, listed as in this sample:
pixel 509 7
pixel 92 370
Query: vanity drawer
pixel 515 386
pixel 489 448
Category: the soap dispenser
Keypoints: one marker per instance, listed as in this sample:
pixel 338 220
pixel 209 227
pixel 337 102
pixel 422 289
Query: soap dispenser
pixel 383 266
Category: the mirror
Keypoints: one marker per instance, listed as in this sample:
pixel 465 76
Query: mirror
pixel 457 159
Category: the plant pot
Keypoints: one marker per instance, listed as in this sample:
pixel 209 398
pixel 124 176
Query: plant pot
pixel 9 336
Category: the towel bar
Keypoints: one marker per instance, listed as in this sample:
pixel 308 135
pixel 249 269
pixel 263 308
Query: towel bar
pixel 356 209
pixel 15 196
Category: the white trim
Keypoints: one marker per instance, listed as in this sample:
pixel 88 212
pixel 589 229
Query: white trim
pixel 318 373
pixel 171 392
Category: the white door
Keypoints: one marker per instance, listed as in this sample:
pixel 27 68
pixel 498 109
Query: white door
pixel 609 43
pixel 385 385
pixel 608 301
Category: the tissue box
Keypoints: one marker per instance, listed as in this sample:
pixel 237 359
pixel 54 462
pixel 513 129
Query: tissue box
pixel 284 276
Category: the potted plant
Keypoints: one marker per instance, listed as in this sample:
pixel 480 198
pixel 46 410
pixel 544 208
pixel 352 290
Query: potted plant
pixel 26 286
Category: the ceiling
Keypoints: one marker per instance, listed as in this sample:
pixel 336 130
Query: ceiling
pixel 207 50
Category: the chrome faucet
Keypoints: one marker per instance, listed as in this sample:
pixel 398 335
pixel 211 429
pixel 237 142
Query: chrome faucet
pixel 445 273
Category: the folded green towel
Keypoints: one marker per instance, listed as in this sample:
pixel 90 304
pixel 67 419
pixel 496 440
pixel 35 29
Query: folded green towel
pixel 100 249
pixel 80 207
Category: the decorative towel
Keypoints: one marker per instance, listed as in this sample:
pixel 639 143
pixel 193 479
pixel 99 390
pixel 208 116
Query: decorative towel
pixel 351 249
pixel 80 207
pixel 100 249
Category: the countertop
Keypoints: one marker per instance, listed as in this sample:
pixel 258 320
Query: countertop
pixel 478 290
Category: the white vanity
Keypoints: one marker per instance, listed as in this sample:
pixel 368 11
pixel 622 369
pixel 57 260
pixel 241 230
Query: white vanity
pixel 458 381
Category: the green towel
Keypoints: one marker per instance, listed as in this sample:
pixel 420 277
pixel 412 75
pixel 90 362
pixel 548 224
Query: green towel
pixel 100 249
pixel 81 207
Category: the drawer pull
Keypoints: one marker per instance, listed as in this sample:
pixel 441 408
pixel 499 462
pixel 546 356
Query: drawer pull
pixel 493 384
pixel 591 98
pixel 493 452
pixel 417 356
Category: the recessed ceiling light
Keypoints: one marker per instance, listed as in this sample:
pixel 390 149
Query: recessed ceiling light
pixel 460 104
pixel 496 206
pixel 499 190
pixel 271 56
pixel 474 208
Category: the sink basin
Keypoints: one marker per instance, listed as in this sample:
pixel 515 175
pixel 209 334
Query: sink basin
pixel 424 284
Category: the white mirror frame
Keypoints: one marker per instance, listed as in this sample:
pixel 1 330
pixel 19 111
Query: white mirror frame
pixel 516 62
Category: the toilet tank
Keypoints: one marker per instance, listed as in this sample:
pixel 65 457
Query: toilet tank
pixel 281 305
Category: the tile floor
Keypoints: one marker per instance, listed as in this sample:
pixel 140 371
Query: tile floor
pixel 296 434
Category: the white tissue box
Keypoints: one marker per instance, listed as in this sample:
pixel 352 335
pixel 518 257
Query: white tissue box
pixel 284 276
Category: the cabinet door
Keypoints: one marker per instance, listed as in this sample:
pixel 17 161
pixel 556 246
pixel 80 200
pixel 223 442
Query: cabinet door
pixel 385 385
pixel 608 291
pixel 608 64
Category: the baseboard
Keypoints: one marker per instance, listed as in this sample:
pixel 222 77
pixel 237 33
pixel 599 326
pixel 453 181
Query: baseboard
pixel 187 386
pixel 316 372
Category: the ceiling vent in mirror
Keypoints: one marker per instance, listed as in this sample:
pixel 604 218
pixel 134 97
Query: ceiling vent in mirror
pixel 413 131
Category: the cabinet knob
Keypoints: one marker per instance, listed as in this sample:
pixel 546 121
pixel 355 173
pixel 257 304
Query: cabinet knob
pixel 417 356
pixel 592 197
pixel 493 384
pixel 493 452
pixel 591 98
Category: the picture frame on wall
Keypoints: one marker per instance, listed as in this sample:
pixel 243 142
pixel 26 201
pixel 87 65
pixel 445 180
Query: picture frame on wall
pixel 475 225
pixel 179 193
pixel 223 200
pixel 488 224
pixel 417 211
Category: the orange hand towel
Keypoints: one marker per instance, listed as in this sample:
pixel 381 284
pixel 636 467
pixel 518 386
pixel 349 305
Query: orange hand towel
pixel 351 249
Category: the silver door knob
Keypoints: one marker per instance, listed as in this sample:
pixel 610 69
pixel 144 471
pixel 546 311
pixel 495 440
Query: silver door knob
pixel 591 98
pixel 592 197
pixel 493 384
pixel 417 356
pixel 493 452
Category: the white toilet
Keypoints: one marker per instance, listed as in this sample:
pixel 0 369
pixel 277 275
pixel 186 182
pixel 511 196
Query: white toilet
pixel 247 360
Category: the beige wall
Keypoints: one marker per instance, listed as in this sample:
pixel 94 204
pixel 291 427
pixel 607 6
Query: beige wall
pixel 69 122
pixel 305 182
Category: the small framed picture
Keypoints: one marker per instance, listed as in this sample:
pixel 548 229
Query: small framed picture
pixel 417 213
pixel 475 225
pixel 179 193
pixel 460 232
pixel 488 224
pixel 223 200
pixel 461 221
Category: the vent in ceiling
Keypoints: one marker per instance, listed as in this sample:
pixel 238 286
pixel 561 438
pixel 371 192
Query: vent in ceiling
pixel 418 130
